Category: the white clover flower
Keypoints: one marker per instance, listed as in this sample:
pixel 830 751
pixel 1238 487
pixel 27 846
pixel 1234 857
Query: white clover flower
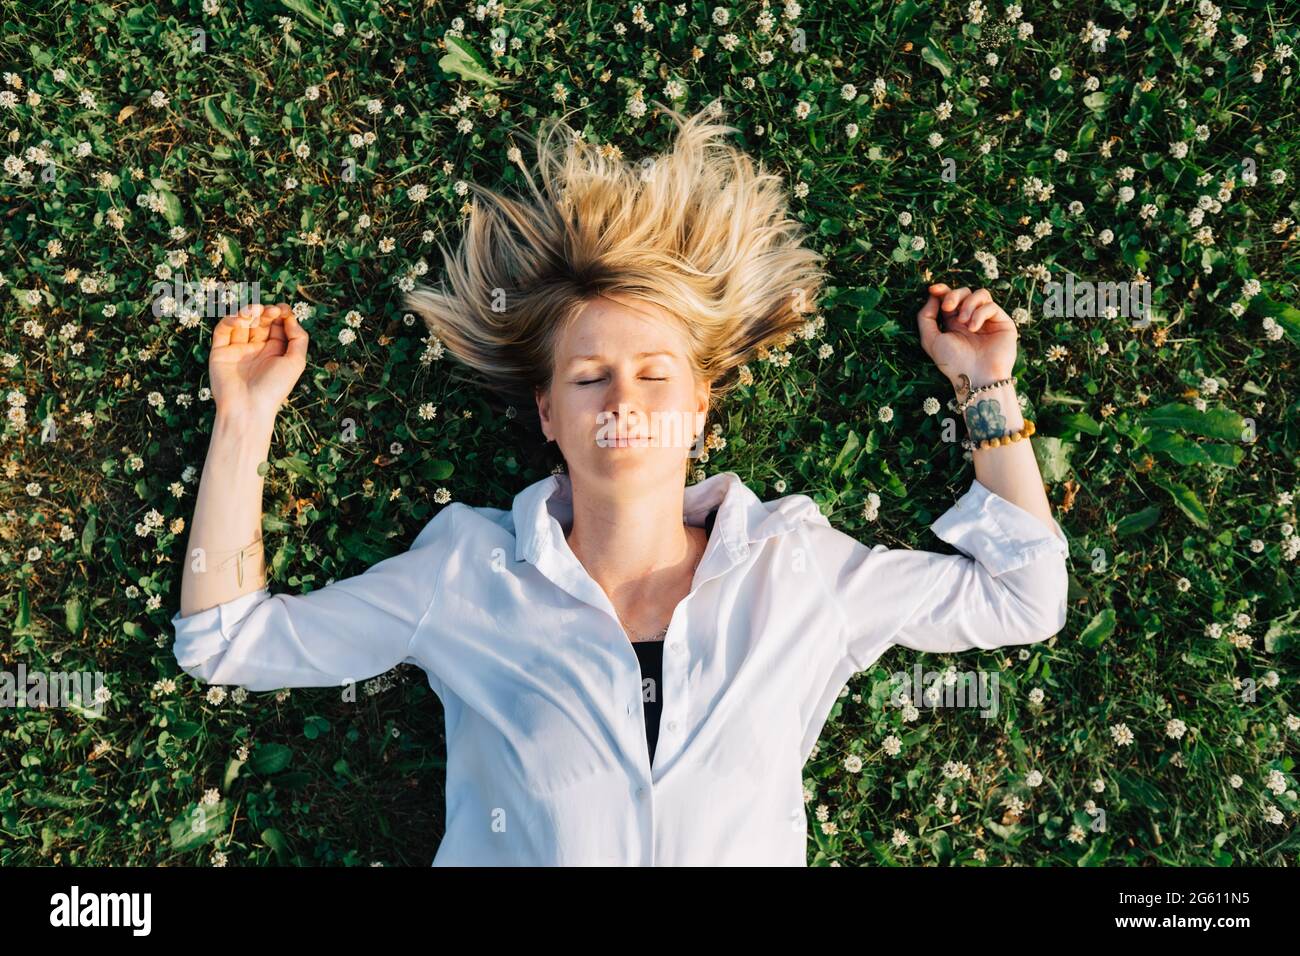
pixel 1276 781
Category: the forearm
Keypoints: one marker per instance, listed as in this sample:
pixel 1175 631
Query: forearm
pixel 1011 470
pixel 227 517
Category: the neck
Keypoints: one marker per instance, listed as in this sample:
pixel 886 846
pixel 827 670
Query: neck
pixel 632 546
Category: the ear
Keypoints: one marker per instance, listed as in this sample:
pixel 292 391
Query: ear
pixel 543 399
pixel 703 393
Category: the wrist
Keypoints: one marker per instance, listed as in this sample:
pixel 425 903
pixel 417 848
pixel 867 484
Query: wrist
pixel 979 377
pixel 995 411
pixel 250 434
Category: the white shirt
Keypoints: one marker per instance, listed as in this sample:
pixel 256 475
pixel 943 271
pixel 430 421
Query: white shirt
pixel 547 762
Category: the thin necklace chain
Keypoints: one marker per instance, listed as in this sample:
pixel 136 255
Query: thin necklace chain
pixel 636 636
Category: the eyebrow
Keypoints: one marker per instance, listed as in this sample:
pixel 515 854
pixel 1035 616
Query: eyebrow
pixel 640 355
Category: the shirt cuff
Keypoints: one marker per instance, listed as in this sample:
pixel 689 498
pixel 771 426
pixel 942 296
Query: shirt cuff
pixel 1000 535
pixel 204 634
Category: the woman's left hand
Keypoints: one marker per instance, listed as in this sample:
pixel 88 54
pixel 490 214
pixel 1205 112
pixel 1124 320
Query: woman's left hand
pixel 978 338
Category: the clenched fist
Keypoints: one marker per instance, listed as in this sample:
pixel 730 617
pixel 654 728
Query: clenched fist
pixel 257 356
pixel 967 333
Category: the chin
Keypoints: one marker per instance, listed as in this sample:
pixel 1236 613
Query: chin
pixel 627 461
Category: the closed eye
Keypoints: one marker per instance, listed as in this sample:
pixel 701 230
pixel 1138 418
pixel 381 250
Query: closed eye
pixel 593 380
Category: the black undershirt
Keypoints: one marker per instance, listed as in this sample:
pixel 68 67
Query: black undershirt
pixel 651 656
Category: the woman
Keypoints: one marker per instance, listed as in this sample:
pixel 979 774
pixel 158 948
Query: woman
pixel 619 306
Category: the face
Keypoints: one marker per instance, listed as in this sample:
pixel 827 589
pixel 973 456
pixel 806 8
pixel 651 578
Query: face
pixel 624 403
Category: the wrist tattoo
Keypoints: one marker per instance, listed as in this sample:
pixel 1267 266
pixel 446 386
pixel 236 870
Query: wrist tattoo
pixel 984 419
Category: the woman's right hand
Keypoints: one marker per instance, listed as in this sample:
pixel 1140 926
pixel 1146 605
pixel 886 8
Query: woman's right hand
pixel 257 357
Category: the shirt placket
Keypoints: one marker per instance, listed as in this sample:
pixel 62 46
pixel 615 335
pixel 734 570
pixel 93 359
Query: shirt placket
pixel 563 568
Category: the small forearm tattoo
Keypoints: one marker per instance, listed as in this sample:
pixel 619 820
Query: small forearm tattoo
pixel 984 419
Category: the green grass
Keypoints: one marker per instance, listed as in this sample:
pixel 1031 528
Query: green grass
pixel 1146 464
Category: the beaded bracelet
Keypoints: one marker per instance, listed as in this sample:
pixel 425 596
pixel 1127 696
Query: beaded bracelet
pixel 998 440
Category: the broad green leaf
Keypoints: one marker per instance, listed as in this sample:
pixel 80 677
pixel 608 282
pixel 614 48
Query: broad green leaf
pixel 1053 457
pixel 850 448
pixel 464 61
pixel 88 536
pixel 1081 421
pixel 185 729
pixel 274 839
pixel 270 758
pixel 1221 423
pixel 74 615
pixel 24 614
pixel 232 254
pixel 439 470
pixel 212 110
pixel 934 55
pixel 1099 628
pixel 865 299
pixel 1185 498
pixel 941 844
pixel 232 772
pixel 1096 101
pixel 1287 316
pixel 202 824
pixel 1182 450
pixel 56 801
pixel 323 18
pixel 171 207
pixel 1137 521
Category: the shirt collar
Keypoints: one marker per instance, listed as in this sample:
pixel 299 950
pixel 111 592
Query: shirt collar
pixel 543 509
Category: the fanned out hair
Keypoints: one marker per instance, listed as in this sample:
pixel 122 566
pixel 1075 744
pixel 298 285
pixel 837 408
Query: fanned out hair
pixel 696 231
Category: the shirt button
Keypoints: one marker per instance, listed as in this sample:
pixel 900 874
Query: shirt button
pixel 672 725
pixel 678 647
pixel 640 792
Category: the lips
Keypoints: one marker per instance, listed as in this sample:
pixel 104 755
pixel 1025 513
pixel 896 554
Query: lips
pixel 628 442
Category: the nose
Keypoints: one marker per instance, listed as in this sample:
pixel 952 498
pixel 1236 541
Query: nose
pixel 623 412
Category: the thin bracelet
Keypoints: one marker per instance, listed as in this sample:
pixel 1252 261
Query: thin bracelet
pixel 968 394
pixel 238 558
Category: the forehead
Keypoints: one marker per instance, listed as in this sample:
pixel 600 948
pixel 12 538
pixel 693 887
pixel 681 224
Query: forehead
pixel 615 329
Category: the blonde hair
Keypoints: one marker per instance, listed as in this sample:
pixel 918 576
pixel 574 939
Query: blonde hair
pixel 696 231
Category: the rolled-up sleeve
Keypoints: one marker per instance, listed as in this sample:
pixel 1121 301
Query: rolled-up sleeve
pixel 349 630
pixel 1008 585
